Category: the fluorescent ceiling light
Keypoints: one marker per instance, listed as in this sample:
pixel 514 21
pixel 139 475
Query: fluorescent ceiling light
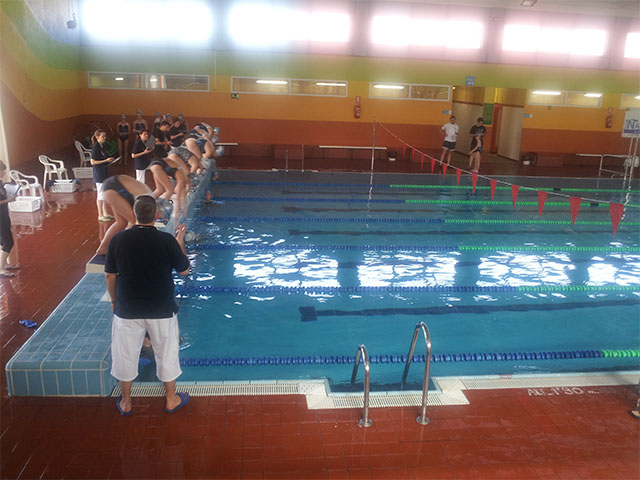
pixel 389 87
pixel 637 97
pixel 153 79
pixel 330 84
pixel 119 79
pixel 273 82
pixel 546 92
pixel 593 95
pixel 528 3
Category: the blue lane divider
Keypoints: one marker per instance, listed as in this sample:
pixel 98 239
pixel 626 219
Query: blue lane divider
pixel 322 220
pixel 401 359
pixel 282 289
pixel 298 247
pixel 307 184
pixel 310 200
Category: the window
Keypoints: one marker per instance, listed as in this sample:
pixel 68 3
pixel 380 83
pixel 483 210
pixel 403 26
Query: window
pixel 168 22
pixel 264 25
pixel 409 91
pixel 148 81
pixel 629 100
pixel 394 30
pixel 632 45
pixel 570 99
pixel 533 38
pixel 329 88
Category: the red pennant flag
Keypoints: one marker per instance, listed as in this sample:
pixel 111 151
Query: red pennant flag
pixel 433 164
pixel 413 153
pixel 514 193
pixel 474 181
pixel 421 159
pixel 444 169
pixel 493 187
pixel 404 150
pixel 574 202
pixel 458 174
pixel 615 210
pixel 542 197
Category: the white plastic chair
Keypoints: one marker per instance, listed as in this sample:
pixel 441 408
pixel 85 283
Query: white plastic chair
pixel 51 168
pixel 85 154
pixel 27 188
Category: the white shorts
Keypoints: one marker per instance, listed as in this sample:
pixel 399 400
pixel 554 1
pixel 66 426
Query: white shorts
pixel 141 175
pixel 100 191
pixel 127 337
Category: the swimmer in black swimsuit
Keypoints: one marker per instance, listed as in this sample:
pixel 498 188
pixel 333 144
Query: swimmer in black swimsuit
pixel 119 193
pixel 123 137
pixel 139 123
pixel 163 170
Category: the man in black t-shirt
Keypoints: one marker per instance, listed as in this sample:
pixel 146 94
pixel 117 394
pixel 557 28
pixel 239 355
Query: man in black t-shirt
pixel 141 155
pixel 138 268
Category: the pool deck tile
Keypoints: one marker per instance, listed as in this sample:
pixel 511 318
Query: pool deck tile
pixel 500 434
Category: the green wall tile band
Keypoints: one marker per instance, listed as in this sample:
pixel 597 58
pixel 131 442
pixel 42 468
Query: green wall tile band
pixel 545 248
pixel 469 187
pixel 530 222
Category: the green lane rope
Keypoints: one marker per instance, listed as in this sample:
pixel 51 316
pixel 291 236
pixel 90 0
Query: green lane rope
pixel 543 248
pixel 531 222
pixel 506 202
pixel 482 187
pixel 620 353
pixel 579 288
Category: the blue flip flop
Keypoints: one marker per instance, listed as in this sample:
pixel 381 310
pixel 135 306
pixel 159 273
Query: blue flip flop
pixel 122 412
pixel 184 399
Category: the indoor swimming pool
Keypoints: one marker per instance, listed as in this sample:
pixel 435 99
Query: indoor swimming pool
pixel 292 271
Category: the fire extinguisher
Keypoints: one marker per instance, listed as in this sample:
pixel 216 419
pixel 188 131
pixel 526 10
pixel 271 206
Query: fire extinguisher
pixel 356 108
pixel 609 120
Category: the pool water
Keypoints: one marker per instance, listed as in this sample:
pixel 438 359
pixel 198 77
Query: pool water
pixel 291 272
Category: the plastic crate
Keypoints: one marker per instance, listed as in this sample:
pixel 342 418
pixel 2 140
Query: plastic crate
pixel 83 172
pixel 64 186
pixel 25 204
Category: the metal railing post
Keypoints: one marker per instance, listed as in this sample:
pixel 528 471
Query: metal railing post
pixel 303 158
pixel 365 421
pixel 286 160
pixel 422 419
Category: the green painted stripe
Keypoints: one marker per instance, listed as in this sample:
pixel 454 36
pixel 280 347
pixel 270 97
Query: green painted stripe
pixel 506 202
pixel 532 222
pixel 469 187
pixel 545 248
pixel 579 288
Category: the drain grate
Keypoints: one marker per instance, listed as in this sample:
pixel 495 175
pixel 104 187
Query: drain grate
pixel 218 389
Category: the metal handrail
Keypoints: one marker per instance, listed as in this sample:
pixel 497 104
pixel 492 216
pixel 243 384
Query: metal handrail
pixel 422 419
pixel 365 421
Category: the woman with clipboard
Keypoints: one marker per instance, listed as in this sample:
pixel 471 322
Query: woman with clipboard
pixel 100 160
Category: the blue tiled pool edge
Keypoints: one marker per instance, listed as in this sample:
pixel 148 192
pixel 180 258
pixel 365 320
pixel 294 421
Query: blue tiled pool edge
pixel 70 353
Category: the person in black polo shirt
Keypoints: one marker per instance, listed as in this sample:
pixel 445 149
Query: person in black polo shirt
pixel 100 160
pixel 141 155
pixel 138 268
pixel 176 135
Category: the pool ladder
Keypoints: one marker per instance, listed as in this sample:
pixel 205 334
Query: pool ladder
pixel 422 419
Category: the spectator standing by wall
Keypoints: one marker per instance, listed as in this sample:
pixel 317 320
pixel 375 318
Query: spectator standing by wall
pixel 6 237
pixel 100 160
pixel 450 133
pixel 477 132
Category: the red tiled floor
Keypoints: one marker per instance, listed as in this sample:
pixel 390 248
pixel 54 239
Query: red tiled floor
pixel 501 434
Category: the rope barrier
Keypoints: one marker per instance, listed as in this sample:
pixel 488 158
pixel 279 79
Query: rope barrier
pixel 509 185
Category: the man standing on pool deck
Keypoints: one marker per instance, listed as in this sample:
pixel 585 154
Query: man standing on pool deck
pixel 138 268
pixel 450 133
